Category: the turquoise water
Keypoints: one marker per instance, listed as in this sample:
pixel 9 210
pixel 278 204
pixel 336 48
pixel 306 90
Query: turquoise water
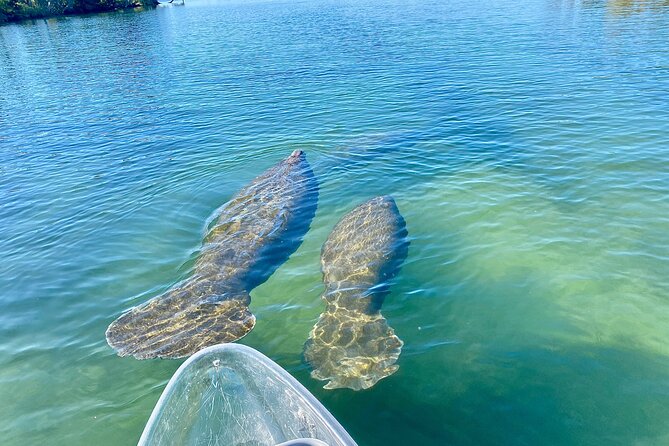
pixel 526 143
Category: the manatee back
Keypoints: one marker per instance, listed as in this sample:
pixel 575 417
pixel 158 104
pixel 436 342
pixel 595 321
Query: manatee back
pixel 255 232
pixel 366 247
pixel 261 226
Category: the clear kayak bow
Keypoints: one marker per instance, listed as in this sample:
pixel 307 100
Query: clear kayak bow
pixel 232 395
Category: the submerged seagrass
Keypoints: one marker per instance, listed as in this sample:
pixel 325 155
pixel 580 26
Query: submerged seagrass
pixel 256 231
pixel 352 344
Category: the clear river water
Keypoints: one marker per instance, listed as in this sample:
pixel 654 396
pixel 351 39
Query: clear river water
pixel 525 142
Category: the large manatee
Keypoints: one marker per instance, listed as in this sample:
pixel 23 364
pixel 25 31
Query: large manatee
pixel 255 232
pixel 352 344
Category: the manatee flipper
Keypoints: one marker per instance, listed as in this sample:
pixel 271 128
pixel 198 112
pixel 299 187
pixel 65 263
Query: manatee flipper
pixel 163 329
pixel 352 349
pixel 254 233
pixel 352 344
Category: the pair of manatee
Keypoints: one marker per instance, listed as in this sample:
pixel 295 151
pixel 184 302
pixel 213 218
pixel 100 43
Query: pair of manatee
pixel 351 345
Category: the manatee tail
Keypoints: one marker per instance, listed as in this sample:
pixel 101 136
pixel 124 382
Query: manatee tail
pixel 352 349
pixel 170 327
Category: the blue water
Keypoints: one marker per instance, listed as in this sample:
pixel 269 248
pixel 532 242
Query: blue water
pixel 525 142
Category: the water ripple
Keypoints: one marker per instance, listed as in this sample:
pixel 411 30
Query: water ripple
pixel 525 144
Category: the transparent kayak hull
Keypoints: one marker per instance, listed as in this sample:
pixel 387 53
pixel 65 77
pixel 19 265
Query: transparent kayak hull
pixel 232 395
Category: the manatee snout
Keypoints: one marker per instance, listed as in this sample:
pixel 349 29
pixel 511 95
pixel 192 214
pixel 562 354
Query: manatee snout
pixel 296 156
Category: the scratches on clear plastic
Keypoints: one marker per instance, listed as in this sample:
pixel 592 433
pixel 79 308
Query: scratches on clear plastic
pixel 231 399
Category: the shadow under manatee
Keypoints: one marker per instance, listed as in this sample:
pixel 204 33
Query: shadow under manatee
pixel 407 158
pixel 442 148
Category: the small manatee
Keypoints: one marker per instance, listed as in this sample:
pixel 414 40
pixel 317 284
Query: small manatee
pixel 352 344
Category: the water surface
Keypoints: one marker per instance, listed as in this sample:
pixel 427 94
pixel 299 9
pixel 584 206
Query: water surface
pixel 525 142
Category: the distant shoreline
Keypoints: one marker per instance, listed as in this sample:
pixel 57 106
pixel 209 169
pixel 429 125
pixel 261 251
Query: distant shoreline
pixel 15 11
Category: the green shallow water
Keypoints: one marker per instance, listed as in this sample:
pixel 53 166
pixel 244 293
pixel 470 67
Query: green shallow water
pixel 526 144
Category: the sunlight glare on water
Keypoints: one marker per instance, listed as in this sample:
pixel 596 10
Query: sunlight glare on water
pixel 526 144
